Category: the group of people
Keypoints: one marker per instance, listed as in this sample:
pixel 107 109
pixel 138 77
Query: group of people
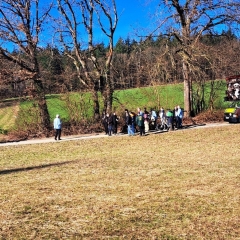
pixel 172 118
pixel 110 122
pixel 140 120
pixel 145 121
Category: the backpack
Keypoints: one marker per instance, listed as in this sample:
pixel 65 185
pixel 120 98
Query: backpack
pixel 169 113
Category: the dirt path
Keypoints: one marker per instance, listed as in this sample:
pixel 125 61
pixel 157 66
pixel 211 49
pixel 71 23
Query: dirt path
pixel 88 136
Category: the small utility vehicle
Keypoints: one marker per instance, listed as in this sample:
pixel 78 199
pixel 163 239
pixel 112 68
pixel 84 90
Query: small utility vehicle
pixel 235 117
pixel 231 110
pixel 232 95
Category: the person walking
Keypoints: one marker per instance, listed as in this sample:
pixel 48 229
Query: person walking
pixel 153 117
pixel 104 122
pixel 57 125
pixel 133 123
pixel 169 116
pixel 139 111
pixel 110 123
pixel 146 120
pixel 128 121
pixel 115 123
pixel 140 123
pixel 175 118
pixel 162 117
pixel 179 116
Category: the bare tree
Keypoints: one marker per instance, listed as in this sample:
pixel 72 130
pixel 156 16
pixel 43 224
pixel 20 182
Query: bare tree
pixel 110 13
pixel 21 22
pixel 79 19
pixel 187 21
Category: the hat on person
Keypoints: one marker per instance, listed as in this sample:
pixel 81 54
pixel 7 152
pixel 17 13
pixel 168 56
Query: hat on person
pixel 57 115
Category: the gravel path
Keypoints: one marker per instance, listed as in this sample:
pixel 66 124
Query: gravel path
pixel 101 135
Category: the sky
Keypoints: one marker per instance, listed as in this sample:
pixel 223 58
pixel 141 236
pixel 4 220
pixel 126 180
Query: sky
pixel 139 18
pixel 134 15
pixel 135 20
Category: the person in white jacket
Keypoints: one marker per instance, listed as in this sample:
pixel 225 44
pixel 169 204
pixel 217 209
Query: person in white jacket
pixel 57 124
pixel 179 116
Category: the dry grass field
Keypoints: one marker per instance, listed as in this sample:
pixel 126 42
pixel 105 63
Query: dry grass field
pixel 177 185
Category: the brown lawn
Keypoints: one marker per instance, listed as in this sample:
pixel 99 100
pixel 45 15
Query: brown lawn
pixel 176 185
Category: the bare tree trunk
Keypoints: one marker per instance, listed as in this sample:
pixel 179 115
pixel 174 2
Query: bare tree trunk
pixel 96 105
pixel 109 93
pixel 187 90
pixel 42 104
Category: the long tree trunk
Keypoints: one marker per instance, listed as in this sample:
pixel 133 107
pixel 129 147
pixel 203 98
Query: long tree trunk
pixel 187 90
pixel 96 105
pixel 109 93
pixel 42 104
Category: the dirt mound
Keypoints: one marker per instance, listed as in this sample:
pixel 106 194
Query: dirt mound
pixel 205 117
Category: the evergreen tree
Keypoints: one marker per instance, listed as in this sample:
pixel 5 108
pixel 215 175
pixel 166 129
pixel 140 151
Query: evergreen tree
pixel 120 46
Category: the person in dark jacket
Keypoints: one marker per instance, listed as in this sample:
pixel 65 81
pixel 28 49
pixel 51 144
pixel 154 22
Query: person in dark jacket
pixel 128 121
pixel 133 123
pixel 115 123
pixel 140 123
pixel 110 123
pixel 105 122
pixel 175 118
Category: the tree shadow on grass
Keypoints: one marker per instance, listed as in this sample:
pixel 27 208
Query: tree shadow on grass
pixel 25 169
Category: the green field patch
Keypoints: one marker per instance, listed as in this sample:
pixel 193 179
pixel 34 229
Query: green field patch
pixel 8 115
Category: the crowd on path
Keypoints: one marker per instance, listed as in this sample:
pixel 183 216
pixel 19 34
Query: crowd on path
pixel 143 121
pixel 110 123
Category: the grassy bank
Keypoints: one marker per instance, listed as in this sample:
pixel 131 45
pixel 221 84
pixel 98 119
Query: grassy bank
pixel 175 185
pixel 8 114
